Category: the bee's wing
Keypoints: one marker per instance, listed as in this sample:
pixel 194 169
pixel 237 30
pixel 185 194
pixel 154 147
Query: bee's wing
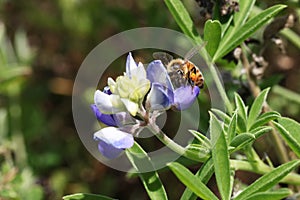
pixel 163 56
pixel 194 51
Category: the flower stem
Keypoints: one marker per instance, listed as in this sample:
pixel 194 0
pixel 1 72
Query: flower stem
pixel 262 168
pixel 174 146
pixel 220 87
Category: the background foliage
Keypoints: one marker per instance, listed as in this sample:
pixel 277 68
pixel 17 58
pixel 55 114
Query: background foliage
pixel 42 46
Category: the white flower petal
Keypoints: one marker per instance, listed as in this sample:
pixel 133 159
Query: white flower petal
pixel 112 84
pixel 131 106
pixel 139 90
pixel 130 65
pixel 139 73
pixel 108 104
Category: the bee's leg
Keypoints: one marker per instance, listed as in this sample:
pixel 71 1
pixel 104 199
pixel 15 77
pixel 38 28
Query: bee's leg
pixel 180 72
pixel 191 82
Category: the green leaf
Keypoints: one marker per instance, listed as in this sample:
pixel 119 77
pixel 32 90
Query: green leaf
pixel 242 140
pixel 151 181
pixel 240 106
pixel 271 195
pixel 191 181
pixel 286 93
pixel 256 107
pixel 220 157
pixel 232 127
pixel 183 19
pixel 203 174
pixel 239 18
pixel 13 71
pixel 245 8
pixel 292 126
pixel 292 36
pixel 222 115
pixel 291 139
pixel 85 196
pixel 212 34
pixel 268 180
pixel 259 131
pixel 265 118
pixel 245 31
pixel 199 149
pixel 201 138
pixel 242 112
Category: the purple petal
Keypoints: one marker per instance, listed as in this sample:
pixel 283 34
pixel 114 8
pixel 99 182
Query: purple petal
pixel 160 97
pixel 123 118
pixel 113 141
pixel 108 150
pixel 185 96
pixel 104 118
pixel 156 72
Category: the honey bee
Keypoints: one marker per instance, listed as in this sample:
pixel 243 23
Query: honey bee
pixel 182 71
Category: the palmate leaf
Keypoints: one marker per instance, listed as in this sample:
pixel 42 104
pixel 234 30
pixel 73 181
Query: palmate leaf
pixel 151 181
pixel 246 30
pixel 268 180
pixel 220 156
pixel 191 181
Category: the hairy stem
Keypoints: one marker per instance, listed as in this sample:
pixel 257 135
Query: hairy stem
pixel 220 88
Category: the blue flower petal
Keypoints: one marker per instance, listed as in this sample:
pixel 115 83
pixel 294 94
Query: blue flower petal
pixel 112 141
pixel 108 150
pixel 156 72
pixel 160 97
pixel 123 118
pixel 107 119
pixel 185 96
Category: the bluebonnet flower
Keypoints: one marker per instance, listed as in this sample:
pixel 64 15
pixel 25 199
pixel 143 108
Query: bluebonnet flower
pixel 113 141
pixel 163 95
pixel 122 100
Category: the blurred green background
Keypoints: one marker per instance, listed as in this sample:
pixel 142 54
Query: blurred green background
pixel 42 45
